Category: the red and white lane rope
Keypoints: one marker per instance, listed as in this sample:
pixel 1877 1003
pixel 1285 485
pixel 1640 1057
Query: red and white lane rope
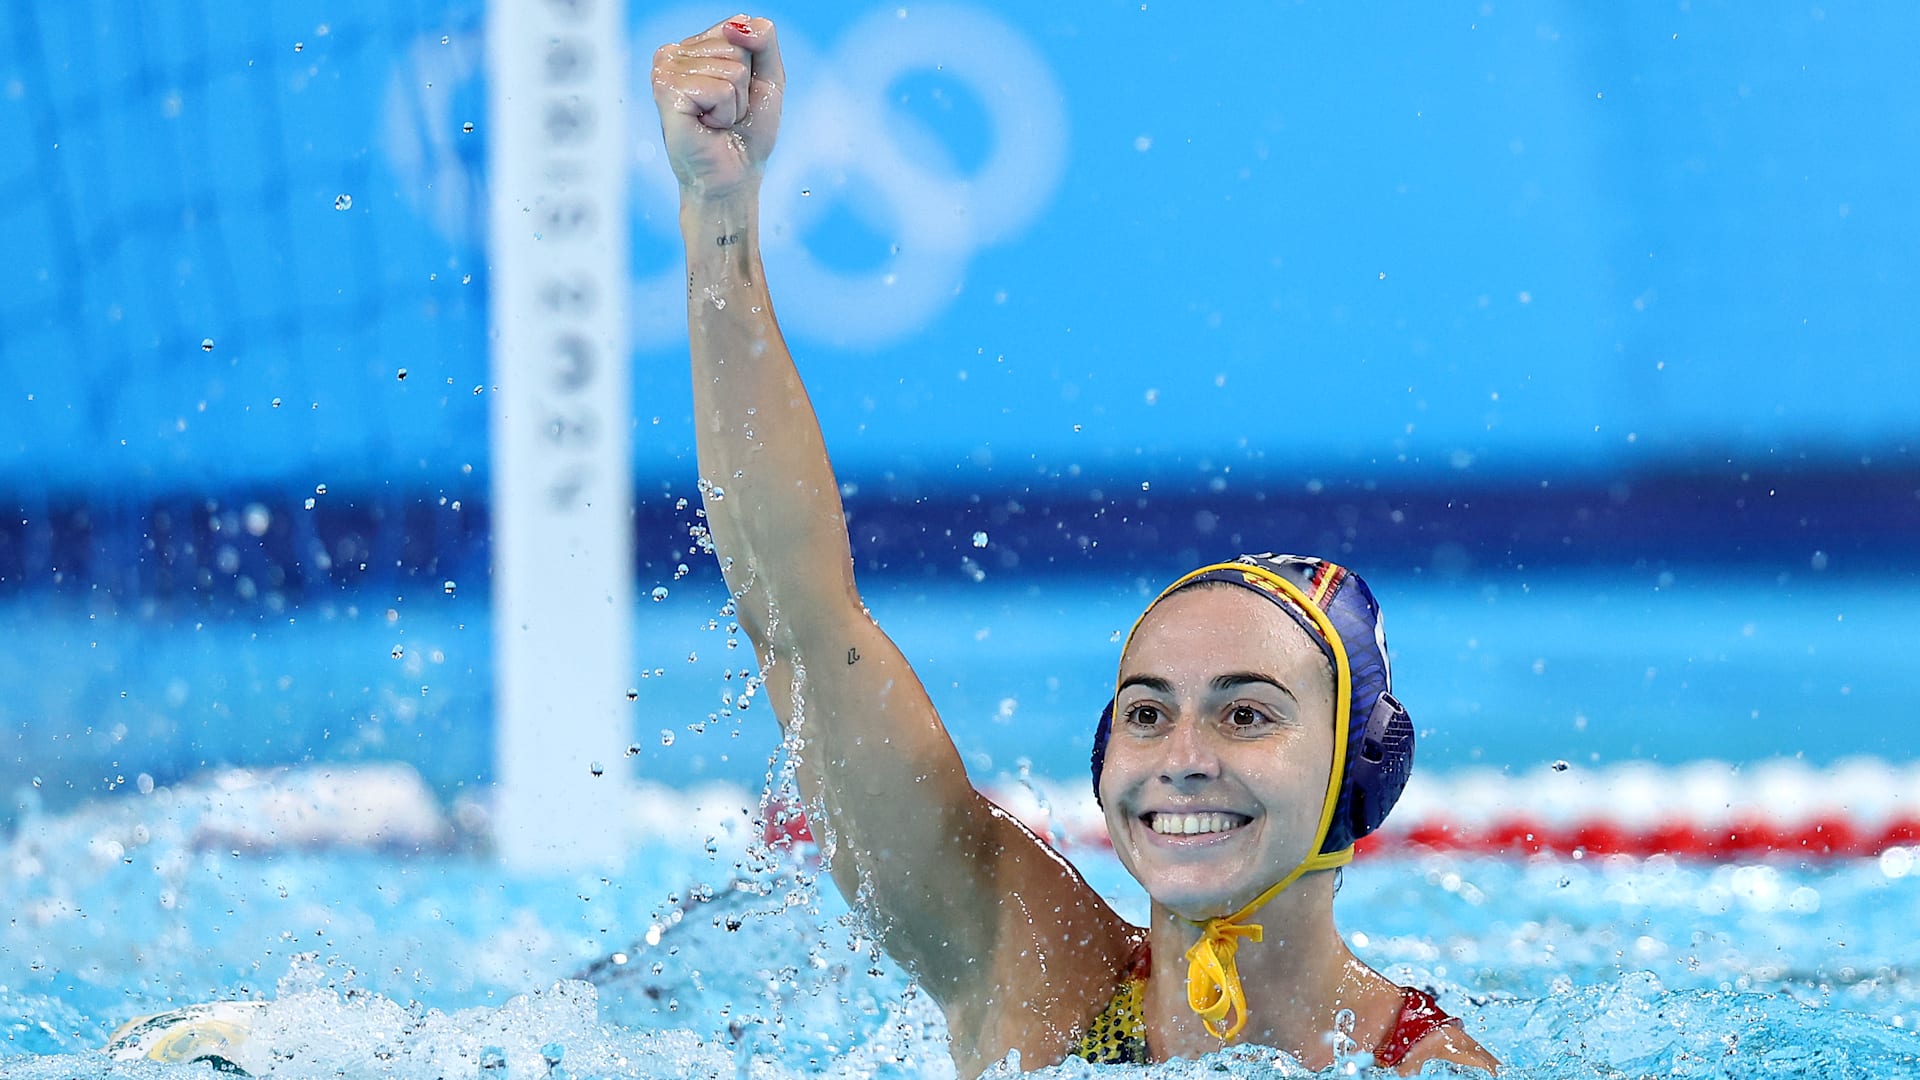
pixel 1860 807
pixel 1704 810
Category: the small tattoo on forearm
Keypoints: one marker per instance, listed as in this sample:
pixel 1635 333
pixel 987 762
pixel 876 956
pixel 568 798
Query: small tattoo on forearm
pixel 853 657
pixel 728 240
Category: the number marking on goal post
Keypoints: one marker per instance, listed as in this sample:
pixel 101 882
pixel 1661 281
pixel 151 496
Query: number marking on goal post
pixel 561 460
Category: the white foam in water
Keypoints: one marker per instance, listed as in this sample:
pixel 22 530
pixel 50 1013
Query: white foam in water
pixel 362 806
pixel 319 1032
pixel 381 959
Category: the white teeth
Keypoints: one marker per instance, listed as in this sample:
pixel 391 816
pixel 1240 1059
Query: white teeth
pixel 1192 824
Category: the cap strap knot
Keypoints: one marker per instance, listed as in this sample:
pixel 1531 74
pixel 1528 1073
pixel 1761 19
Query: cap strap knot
pixel 1213 974
pixel 1213 978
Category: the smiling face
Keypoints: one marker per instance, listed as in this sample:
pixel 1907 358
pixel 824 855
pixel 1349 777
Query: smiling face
pixel 1221 748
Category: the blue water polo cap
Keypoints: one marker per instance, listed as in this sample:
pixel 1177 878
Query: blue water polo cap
pixel 1320 596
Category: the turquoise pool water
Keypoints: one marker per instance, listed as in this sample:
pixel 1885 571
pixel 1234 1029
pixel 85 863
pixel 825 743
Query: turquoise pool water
pixel 132 884
pixel 379 964
pixel 1508 670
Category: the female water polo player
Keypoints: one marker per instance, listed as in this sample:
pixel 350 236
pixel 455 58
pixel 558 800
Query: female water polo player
pixel 1252 737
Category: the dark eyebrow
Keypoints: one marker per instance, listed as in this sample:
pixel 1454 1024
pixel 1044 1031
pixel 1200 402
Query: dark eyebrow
pixel 1152 682
pixel 1234 679
pixel 1228 681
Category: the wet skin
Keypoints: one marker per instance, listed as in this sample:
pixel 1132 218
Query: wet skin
pixel 1223 739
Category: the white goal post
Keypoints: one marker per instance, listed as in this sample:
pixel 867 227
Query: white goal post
pixel 560 443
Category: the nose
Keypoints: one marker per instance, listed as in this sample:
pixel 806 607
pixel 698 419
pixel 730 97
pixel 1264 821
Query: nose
pixel 1188 755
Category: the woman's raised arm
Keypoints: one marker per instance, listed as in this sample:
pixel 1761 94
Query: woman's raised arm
pixel 932 858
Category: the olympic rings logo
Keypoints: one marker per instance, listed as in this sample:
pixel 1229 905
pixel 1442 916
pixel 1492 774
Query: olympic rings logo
pixel 844 143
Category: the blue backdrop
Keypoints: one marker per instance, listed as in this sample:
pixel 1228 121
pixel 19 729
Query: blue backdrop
pixel 1465 294
pixel 1391 241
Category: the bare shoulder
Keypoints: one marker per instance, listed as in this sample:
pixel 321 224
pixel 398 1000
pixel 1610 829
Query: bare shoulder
pixel 1448 1043
pixel 1058 954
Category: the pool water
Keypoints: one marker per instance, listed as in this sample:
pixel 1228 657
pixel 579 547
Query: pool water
pixel 1507 670
pixel 135 880
pixel 423 958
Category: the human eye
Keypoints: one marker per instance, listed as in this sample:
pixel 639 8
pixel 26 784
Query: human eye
pixel 1145 714
pixel 1242 716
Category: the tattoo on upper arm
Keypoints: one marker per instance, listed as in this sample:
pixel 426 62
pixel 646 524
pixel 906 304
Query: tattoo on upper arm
pixel 728 239
pixel 853 657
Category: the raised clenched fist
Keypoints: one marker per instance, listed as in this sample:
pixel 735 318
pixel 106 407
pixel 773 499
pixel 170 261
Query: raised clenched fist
pixel 719 98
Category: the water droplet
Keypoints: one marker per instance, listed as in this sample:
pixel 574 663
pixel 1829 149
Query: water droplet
pixel 596 769
pixel 666 737
pixel 979 539
pixel 401 375
pixel 633 749
pixel 319 489
pixel 804 192
pixel 448 587
pixel 445 39
pixel 633 692
pixel 399 651
pixel 206 344
pixel 276 403
pixel 1561 765
pixel 310 502
pixel 36 781
pixel 659 593
pixel 343 201
pixel 467 127
pixel 299 46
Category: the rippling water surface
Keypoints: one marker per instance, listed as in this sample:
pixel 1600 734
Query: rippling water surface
pixel 732 962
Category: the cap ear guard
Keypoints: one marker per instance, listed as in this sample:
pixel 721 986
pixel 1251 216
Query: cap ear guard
pixel 1377 770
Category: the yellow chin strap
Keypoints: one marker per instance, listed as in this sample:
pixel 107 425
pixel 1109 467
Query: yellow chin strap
pixel 1213 976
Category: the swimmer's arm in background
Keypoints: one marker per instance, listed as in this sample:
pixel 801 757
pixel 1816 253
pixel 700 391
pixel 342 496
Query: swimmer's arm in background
pixel 912 839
